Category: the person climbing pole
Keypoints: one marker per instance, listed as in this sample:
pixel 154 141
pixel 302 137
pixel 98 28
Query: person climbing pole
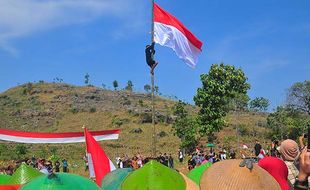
pixel 149 55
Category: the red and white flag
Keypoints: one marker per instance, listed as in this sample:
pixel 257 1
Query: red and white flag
pixel 98 162
pixel 170 32
pixel 41 138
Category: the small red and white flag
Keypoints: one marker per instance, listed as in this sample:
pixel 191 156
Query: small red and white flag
pixel 170 32
pixel 98 162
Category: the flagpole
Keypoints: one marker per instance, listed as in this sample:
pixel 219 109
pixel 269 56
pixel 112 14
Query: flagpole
pixel 153 89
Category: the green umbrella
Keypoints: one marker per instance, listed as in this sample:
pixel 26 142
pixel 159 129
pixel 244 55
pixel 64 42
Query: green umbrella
pixel 154 176
pixel 4 179
pixel 210 145
pixel 61 181
pixel 24 174
pixel 196 173
pixel 114 179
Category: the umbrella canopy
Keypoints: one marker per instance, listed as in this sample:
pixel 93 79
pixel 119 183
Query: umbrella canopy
pixel 154 176
pixel 190 185
pixel 61 181
pixel 196 173
pixel 210 145
pixel 114 179
pixel 4 179
pixel 24 174
pixel 230 175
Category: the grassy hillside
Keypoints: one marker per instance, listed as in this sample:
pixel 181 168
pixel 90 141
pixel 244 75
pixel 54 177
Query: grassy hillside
pixel 58 107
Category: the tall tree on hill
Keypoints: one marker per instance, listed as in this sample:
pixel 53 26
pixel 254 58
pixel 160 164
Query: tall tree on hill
pixel 86 77
pixel 185 127
pixel 115 84
pixel 219 87
pixel 259 104
pixel 129 86
pixel 298 96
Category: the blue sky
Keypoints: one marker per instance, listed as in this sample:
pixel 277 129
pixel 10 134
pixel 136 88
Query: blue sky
pixel 42 40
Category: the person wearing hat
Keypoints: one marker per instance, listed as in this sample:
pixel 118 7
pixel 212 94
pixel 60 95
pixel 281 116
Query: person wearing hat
pixel 289 151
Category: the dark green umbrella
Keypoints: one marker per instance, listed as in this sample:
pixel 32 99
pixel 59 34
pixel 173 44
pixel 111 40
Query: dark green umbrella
pixel 210 145
pixel 196 173
pixel 154 176
pixel 114 179
pixel 61 181
pixel 24 174
pixel 4 179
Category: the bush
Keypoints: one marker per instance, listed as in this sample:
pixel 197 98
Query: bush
pixel 117 122
pixel 92 110
pixel 162 134
pixel 74 110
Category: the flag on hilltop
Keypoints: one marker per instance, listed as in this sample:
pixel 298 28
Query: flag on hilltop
pixel 98 162
pixel 170 32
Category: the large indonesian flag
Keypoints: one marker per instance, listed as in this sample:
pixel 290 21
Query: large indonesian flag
pixel 37 138
pixel 98 162
pixel 170 32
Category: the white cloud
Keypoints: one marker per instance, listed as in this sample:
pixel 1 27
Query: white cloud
pixel 19 18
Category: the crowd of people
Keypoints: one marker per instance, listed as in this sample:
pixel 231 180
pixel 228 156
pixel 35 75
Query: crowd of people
pixel 43 165
pixel 138 161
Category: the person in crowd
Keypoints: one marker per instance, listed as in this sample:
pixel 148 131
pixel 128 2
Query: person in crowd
pixel 180 153
pixel 170 161
pixel 301 182
pixel 57 166
pixel 134 163
pixel 289 151
pixel 139 160
pixel 165 159
pixel 274 151
pixel 65 166
pixel 261 154
pixel 85 159
pixel 257 148
pixel 232 154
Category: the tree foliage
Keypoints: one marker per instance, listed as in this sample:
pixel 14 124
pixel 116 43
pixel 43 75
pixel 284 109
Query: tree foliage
pixel 299 96
pixel 86 77
pixel 259 104
pixel 147 88
pixel 115 84
pixel 287 123
pixel 222 84
pixel 185 127
pixel 129 86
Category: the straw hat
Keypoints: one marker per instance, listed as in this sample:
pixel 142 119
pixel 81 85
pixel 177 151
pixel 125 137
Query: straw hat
pixel 228 175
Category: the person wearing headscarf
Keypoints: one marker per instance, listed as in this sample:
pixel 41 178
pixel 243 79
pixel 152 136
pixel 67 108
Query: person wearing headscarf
pixel 289 151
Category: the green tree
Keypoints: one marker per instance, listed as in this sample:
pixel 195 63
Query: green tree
pixel 115 84
pixel 298 96
pixel 185 127
pixel 129 86
pixel 239 102
pixel 147 88
pixel 156 89
pixel 219 87
pixel 259 104
pixel 285 122
pixel 86 77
